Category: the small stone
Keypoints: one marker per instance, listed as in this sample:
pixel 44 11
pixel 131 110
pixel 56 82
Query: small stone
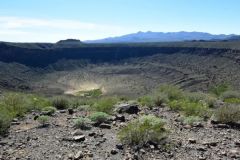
pixel 114 151
pixel 202 148
pixel 79 138
pixel 70 111
pixel 92 134
pixel 221 126
pixel 119 146
pixel 202 158
pixel 105 126
pixel 77 132
pixel 191 140
pixel 237 143
pixel 120 118
pixel 142 151
pixel 187 126
pixel 70 156
pixel 234 153
pixel 62 111
pixel 210 143
pixel 152 146
pixel 79 155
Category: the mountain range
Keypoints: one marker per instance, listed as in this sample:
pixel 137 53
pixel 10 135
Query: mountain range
pixel 163 37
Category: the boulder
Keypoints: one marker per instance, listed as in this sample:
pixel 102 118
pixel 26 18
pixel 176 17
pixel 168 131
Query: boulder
pixel 105 126
pixel 127 108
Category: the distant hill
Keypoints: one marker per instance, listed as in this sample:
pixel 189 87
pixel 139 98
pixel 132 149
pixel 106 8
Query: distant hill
pixel 162 37
pixel 234 38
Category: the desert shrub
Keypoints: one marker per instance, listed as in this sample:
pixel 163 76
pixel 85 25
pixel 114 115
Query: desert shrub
pixel 195 109
pixel 220 88
pixel 231 97
pixel 175 105
pixel 37 102
pixel 60 103
pixel 199 97
pixel 84 108
pixel 43 120
pixel 146 101
pixel 160 98
pixel 189 108
pixel 155 99
pixel 143 130
pixel 82 101
pixel 172 92
pixel 230 94
pixel 105 105
pixel 99 117
pixel 50 110
pixel 14 103
pixel 232 100
pixel 191 120
pixel 5 120
pixel 82 123
pixel 228 114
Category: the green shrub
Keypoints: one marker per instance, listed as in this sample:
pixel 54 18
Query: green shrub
pixel 43 120
pixel 90 93
pixel 146 101
pixel 60 103
pixel 232 100
pixel 195 109
pixel 105 105
pixel 5 120
pixel 228 114
pixel 199 97
pixel 189 108
pixel 143 130
pixel 172 92
pixel 230 94
pixel 220 88
pixel 49 110
pixel 37 102
pixel 84 108
pixel 82 123
pixel 155 99
pixel 14 103
pixel 231 97
pixel 191 120
pixel 99 117
pixel 175 105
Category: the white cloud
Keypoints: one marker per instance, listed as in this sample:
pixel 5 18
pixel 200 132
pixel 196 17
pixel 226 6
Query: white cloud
pixel 51 30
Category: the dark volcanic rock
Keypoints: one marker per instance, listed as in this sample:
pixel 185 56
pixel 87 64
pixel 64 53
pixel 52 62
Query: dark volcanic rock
pixel 128 108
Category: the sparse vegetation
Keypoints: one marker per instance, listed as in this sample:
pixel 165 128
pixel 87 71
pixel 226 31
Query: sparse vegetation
pixel 99 117
pixel 143 130
pixel 82 123
pixel 199 97
pixel 60 103
pixel 190 108
pixel 43 120
pixel 105 104
pixel 5 120
pixel 146 101
pixel 49 110
pixel 191 120
pixel 90 93
pixel 172 92
pixel 219 88
pixel 231 97
pixel 229 113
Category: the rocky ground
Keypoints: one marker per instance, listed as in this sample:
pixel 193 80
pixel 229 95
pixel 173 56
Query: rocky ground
pixel 60 140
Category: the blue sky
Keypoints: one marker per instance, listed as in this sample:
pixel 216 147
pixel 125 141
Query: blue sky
pixel 52 20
